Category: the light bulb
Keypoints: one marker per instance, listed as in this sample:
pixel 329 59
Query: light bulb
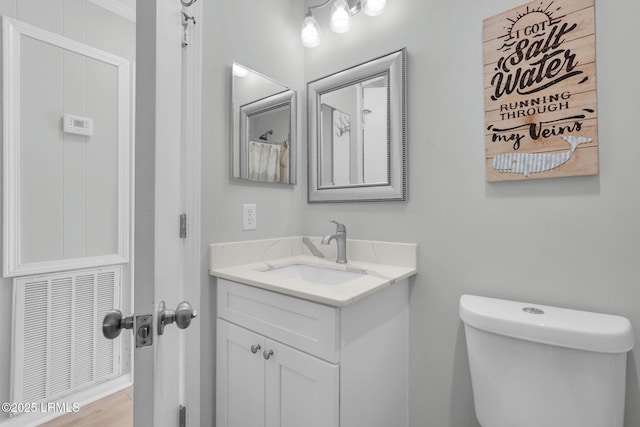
pixel 373 7
pixel 340 17
pixel 310 33
pixel 240 71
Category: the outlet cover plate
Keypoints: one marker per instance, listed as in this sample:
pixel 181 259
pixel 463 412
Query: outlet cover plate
pixel 249 216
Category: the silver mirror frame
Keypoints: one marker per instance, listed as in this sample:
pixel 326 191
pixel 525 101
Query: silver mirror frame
pixel 394 65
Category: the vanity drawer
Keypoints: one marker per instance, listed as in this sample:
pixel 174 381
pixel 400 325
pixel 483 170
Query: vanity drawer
pixel 305 325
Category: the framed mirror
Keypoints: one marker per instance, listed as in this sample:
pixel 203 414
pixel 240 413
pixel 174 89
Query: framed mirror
pixel 357 132
pixel 263 137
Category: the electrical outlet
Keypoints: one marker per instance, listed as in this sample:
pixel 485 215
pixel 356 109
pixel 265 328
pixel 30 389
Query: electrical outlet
pixel 249 216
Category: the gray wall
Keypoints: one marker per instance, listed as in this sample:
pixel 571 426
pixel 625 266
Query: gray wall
pixel 83 21
pixel 264 36
pixel 73 178
pixel 571 242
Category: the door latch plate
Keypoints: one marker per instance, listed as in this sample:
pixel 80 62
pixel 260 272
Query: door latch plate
pixel 144 330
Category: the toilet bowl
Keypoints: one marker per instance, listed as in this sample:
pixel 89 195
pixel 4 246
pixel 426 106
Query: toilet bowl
pixel 540 366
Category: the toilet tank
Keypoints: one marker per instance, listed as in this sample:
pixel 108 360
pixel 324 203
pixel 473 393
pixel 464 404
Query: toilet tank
pixel 533 365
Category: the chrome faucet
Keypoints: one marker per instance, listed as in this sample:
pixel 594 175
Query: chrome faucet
pixel 341 241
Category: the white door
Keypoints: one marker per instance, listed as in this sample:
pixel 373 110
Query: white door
pixel 166 265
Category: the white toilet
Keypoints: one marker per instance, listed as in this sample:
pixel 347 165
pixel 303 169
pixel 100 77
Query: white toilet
pixel 541 366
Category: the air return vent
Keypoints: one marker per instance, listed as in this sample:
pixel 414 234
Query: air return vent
pixel 57 343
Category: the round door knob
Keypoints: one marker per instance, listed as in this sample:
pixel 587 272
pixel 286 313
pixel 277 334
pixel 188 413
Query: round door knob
pixel 183 315
pixel 113 323
pixel 255 348
pixel 267 354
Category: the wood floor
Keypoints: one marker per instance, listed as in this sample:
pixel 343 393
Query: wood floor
pixel 113 410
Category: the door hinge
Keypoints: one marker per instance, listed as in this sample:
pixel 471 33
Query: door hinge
pixel 183 416
pixel 183 226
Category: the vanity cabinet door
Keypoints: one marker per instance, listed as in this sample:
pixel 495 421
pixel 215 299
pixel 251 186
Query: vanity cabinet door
pixel 302 390
pixel 241 377
pixel 277 386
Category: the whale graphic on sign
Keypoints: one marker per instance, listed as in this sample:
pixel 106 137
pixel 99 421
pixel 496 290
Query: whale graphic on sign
pixel 527 163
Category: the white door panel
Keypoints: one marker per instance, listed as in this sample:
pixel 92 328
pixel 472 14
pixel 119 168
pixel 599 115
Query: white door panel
pixel 241 381
pixel 302 390
pixel 164 373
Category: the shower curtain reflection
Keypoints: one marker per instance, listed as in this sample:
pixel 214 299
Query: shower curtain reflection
pixel 268 162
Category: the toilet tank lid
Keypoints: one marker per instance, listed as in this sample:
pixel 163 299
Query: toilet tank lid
pixel 562 327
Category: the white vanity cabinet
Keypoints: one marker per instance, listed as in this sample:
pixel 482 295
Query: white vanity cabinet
pixel 276 386
pixel 284 361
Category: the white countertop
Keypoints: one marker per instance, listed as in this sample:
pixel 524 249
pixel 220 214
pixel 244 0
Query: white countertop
pixel 364 257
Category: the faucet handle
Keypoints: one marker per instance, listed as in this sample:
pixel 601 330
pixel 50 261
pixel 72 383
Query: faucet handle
pixel 340 228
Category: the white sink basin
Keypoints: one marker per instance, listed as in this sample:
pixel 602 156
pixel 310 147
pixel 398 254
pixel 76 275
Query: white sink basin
pixel 315 274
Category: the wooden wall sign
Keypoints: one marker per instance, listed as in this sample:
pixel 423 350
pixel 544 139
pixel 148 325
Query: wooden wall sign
pixel 540 91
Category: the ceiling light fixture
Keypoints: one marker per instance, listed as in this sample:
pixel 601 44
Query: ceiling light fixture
pixel 340 20
pixel 340 17
pixel 373 7
pixel 239 70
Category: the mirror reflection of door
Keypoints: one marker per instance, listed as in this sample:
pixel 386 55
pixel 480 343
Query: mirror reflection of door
pixel 340 147
pixel 339 136
pixel 355 134
pixel 336 153
pixel 373 119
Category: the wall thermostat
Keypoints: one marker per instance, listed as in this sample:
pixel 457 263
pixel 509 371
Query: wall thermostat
pixel 77 125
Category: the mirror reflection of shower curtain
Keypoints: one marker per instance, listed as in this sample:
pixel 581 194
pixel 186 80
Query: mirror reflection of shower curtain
pixel 268 162
pixel 374 132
